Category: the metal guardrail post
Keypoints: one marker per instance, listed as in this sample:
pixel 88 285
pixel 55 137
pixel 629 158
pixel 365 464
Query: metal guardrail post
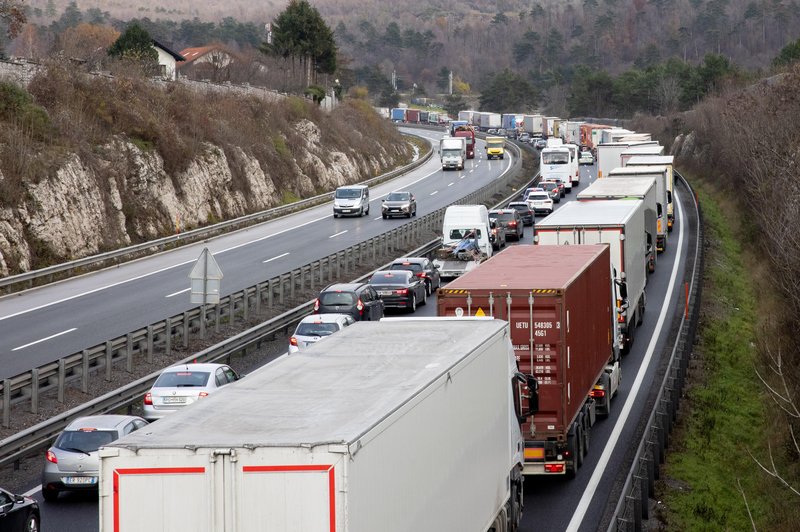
pixel 109 353
pixel 85 371
pixel 149 344
pixel 35 391
pixel 62 377
pixel 6 403
pixel 168 336
pixel 231 309
pixel 185 333
pixel 129 352
pixel 270 292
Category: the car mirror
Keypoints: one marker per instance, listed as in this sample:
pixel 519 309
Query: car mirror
pixel 19 499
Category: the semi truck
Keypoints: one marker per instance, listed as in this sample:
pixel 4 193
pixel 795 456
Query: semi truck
pixel 662 195
pixel 398 114
pixel 465 240
pixel 591 135
pixel 468 133
pixel 609 155
pixel 660 160
pixel 532 124
pixel 633 188
pixel 619 223
pixel 396 425
pixel 557 301
pixel 453 152
pixel 412 116
pixel 495 147
pixel 465 116
pixel 571 131
pixel 490 121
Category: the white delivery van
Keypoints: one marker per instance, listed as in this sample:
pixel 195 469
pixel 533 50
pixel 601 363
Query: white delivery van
pixel 351 200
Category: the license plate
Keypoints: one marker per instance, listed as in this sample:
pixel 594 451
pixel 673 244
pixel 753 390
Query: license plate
pixel 384 292
pixel 79 481
pixel 173 400
pixel 345 210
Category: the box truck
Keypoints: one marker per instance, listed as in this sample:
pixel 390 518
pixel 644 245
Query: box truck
pixel 619 223
pixel 532 124
pixel 453 152
pixel 394 425
pixel 398 114
pixel 609 155
pixel 495 147
pixel 662 194
pixel 465 240
pixel 633 188
pixel 659 160
pixel 557 301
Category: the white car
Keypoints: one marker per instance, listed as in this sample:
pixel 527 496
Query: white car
pixel 314 328
pixel 540 202
pixel 586 157
pixel 179 386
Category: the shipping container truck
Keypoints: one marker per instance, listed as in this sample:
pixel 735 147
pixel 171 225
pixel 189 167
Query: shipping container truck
pixel 608 155
pixel 397 425
pixel 465 240
pixel 662 194
pixel 412 116
pixel 453 152
pixel 619 223
pixel 633 188
pixel 555 163
pixel 659 160
pixel 495 147
pixel 633 151
pixel 468 132
pixel 557 301
pixel 398 114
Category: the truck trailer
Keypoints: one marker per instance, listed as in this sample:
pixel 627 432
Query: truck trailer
pixel 631 189
pixel 635 151
pixel 619 223
pixel 660 160
pixel 609 155
pixel 557 301
pixel 394 426
pixel 662 194
pixel 532 124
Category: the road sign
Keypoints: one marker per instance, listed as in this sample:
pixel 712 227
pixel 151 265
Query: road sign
pixel 206 279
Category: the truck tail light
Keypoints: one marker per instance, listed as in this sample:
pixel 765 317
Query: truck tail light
pixel 597 393
pixel 316 305
pixel 51 457
pixel 148 398
pixel 554 468
pixel 293 341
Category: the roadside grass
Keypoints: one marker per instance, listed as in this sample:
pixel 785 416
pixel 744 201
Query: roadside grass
pixel 727 413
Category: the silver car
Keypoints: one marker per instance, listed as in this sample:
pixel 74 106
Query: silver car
pixel 314 328
pixel 180 386
pixel 399 203
pixel 71 464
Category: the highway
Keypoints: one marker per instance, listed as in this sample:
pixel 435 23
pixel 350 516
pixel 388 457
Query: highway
pixel 48 323
pixel 550 503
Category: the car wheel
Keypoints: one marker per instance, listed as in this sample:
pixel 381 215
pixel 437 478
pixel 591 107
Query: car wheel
pixel 409 214
pixel 428 287
pixel 32 524
pixel 424 297
pixel 367 213
pixel 50 494
pixel 384 216
pixel 413 302
pixel 335 215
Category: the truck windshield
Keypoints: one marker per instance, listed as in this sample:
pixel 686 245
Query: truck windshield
pixel 451 153
pixel 495 143
pixel 457 234
pixel 555 158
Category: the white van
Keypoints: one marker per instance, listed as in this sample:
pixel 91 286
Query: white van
pixel 462 225
pixel 351 200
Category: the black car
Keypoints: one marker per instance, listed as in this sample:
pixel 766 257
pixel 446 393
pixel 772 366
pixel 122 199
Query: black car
pixel 497 237
pixel 509 221
pixel 18 513
pixel 399 203
pixel 399 289
pixel 423 268
pixel 357 299
pixel 524 211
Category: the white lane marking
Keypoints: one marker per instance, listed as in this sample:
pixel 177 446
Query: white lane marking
pixel 463 176
pixel 378 218
pixel 434 192
pixel 591 487
pixel 451 184
pixel 45 339
pixel 279 256
pixel 471 170
pixel 339 233
pixel 31 492
pixel 136 278
pixel 179 292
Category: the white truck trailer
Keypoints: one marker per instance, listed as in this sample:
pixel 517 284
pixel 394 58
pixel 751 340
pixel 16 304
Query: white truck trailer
pixel 394 426
pixel 659 160
pixel 662 195
pixel 532 124
pixel 635 151
pixel 609 154
pixel 453 152
pixel 633 188
pixel 619 223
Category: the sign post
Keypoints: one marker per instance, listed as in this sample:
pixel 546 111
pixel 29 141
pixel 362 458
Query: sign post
pixel 206 277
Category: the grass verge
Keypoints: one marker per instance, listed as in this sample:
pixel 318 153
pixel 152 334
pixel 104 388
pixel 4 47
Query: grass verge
pixel 710 481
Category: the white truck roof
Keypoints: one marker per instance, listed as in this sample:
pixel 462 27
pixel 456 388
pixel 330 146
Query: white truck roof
pixel 332 393
pixel 654 149
pixel 633 170
pixel 635 186
pixel 646 160
pixel 599 213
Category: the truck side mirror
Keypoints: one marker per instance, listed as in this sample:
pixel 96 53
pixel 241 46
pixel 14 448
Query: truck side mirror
pixel 521 381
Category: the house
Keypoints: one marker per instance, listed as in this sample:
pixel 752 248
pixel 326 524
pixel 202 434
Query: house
pixel 167 60
pixel 213 62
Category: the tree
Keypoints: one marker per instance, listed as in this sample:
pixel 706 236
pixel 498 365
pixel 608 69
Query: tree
pixel 508 92
pixel 454 103
pixel 788 54
pixel 443 79
pixel 300 34
pixel 12 14
pixel 135 44
pixel 87 41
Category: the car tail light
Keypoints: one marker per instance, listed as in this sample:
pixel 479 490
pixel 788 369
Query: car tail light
pixel 512 224
pixel 293 341
pixel 360 306
pixel 202 394
pixel 402 291
pixel 421 275
pixel 148 398
pixel 51 457
pixel 316 305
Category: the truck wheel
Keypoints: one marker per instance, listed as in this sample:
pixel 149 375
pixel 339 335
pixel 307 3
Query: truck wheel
pixel 515 513
pixel 572 447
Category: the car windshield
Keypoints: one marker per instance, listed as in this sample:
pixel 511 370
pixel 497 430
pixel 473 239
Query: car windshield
pixel 86 441
pixel 348 193
pixel 410 266
pixel 555 158
pixel 520 207
pixel 182 379
pixel 337 298
pixel 316 329
pixel 549 185
pixel 398 196
pixel 389 278
pixel 586 154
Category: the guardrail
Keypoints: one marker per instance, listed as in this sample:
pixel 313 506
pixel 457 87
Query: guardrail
pixel 633 506
pixel 25 280
pixel 102 358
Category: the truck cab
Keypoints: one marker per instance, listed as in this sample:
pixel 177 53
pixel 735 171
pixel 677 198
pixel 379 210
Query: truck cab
pixel 495 147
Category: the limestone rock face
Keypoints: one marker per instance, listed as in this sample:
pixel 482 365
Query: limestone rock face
pixel 127 196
